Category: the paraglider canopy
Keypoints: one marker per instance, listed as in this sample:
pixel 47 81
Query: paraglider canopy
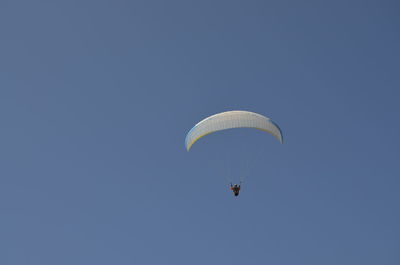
pixel 230 120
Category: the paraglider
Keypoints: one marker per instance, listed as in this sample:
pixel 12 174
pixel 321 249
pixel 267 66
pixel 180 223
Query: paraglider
pixel 235 188
pixel 230 120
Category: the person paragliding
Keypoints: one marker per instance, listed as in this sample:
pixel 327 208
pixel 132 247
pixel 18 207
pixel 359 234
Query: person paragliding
pixel 230 120
pixel 235 188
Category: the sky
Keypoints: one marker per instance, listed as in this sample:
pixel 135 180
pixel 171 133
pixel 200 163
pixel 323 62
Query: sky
pixel 96 98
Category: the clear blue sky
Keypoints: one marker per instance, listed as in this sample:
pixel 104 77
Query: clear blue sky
pixel 96 98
